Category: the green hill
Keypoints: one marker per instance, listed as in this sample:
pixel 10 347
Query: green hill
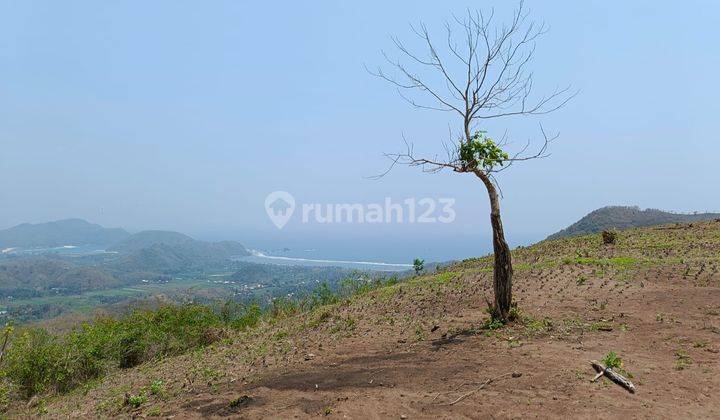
pixel 59 233
pixel 165 248
pixel 148 238
pixel 625 217
pixel 35 277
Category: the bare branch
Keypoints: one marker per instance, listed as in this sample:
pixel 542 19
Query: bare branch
pixel 493 82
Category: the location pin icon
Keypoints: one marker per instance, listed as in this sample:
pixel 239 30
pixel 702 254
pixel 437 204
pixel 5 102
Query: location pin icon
pixel 280 206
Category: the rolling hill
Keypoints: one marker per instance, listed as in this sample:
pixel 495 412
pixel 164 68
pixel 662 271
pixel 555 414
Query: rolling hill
pixel 148 238
pixel 625 217
pixel 60 233
pixel 180 244
pixel 34 277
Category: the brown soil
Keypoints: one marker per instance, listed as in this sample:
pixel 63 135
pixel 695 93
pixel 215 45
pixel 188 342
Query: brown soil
pixel 410 350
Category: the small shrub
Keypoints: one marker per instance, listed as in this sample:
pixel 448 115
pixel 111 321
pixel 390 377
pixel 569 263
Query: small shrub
pixel 393 280
pixel 32 361
pixel 701 344
pixel 283 307
pixel 612 360
pixel 240 402
pixel 242 317
pixel 419 333
pixel 493 324
pixel 344 324
pixel 601 326
pixel 682 360
pixel 318 317
pixel 445 277
pixel 322 295
pixel 37 361
pixel 157 388
pixel 609 237
pixel 536 326
pixel 136 401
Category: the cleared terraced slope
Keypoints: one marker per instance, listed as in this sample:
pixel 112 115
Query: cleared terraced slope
pixel 414 348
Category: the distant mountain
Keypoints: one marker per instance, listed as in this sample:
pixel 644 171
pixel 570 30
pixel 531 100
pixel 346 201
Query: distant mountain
pixel 148 238
pixel 622 217
pixel 165 251
pixel 60 233
pixel 149 256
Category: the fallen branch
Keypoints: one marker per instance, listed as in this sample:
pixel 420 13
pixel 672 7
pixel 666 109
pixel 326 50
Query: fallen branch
pixel 484 384
pixel 612 375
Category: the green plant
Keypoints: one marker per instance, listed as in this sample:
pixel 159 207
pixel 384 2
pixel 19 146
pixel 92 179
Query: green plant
pixel 33 361
pixel 322 295
pixel 283 307
pixel 344 324
pixel 701 344
pixel 445 277
pixel 482 152
pixel 393 280
pixel 535 326
pixel 157 388
pixel 601 326
pixel 493 324
pixel 682 360
pixel 38 361
pixel 318 317
pixel 612 360
pixel 136 400
pixel 419 333
pixel 240 401
pixel 241 316
pixel 515 313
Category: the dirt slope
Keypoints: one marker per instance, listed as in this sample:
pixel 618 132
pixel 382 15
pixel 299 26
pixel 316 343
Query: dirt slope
pixel 410 350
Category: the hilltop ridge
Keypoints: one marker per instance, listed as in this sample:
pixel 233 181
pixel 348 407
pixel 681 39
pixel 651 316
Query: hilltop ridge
pixel 625 217
pixel 60 233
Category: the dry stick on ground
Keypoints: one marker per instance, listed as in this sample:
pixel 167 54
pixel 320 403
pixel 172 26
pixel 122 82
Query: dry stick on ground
pixel 484 384
pixel 612 375
pixel 453 390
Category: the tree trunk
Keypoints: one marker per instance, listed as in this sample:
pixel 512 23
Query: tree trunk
pixel 502 270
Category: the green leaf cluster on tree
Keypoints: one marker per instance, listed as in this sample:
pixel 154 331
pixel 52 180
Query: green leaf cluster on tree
pixel 481 152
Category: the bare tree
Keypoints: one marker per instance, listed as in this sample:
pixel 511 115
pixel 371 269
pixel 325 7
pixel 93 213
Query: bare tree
pixel 480 75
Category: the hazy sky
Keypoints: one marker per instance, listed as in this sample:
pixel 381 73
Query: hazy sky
pixel 184 115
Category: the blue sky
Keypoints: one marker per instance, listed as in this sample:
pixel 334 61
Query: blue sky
pixel 184 115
